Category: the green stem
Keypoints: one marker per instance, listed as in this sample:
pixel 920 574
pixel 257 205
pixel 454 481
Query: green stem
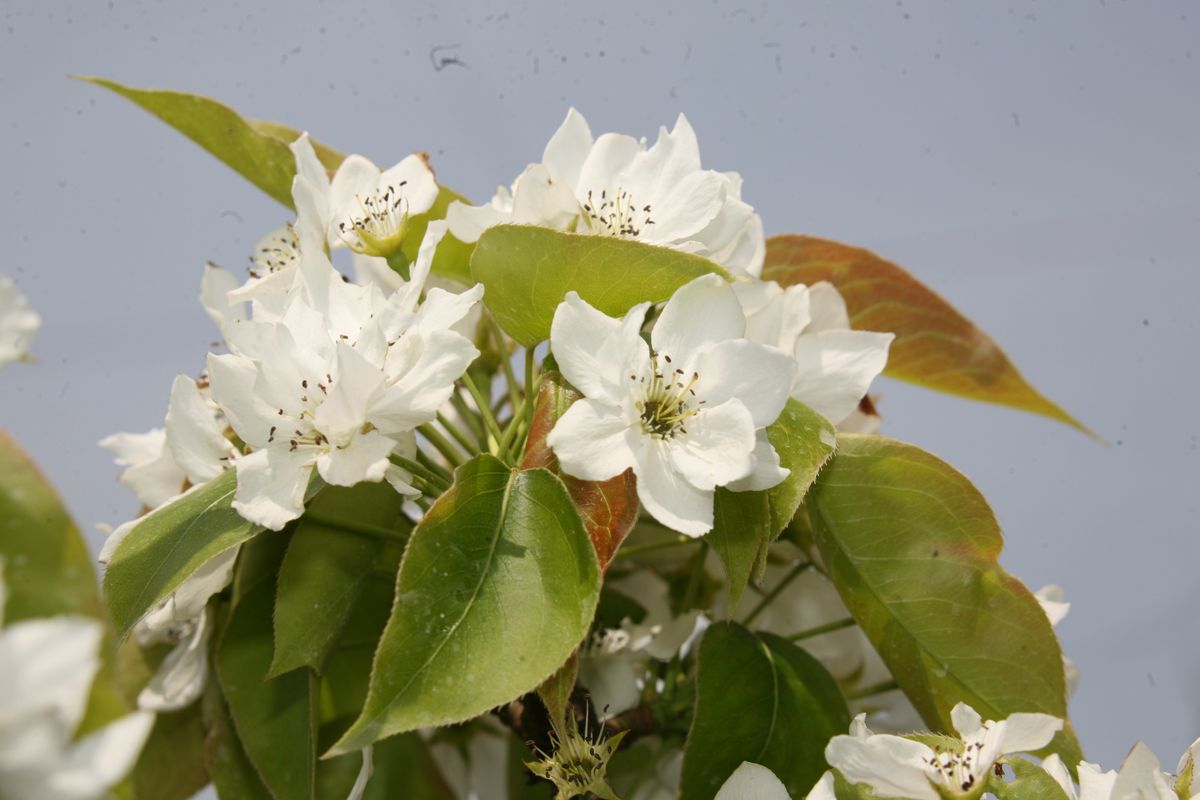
pixel 400 265
pixel 828 627
pixel 350 526
pixel 531 385
pixel 638 549
pixel 874 689
pixel 470 447
pixel 454 456
pixel 510 433
pixel 693 585
pixel 425 474
pixel 505 361
pixel 796 572
pixel 473 420
pixel 426 460
pixel 485 409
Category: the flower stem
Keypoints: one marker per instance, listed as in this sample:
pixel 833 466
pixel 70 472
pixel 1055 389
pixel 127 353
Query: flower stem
pixel 505 361
pixel 470 447
pixel 828 627
pixel 441 444
pixel 531 384
pixel 474 422
pixel 424 473
pixel 874 689
pixel 510 432
pixel 770 596
pixel 485 409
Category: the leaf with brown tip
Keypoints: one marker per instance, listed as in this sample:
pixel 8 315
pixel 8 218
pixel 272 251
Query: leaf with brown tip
pixel 935 347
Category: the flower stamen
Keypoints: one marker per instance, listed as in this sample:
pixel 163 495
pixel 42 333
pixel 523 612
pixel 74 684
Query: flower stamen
pixel 616 216
pixel 668 402
pixel 379 227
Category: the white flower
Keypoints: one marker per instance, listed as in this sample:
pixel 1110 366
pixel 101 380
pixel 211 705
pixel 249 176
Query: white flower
pixel 337 383
pixel 18 322
pixel 687 412
pixel 48 667
pixel 752 781
pixel 150 471
pixel 897 767
pixel 1140 778
pixel 1189 765
pixel 614 186
pixel 477 769
pixel 835 365
pixel 613 665
pixel 1052 599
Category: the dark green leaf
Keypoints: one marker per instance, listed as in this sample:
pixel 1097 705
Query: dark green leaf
pixel 804 441
pixel 330 555
pixel 171 765
pixel 233 776
pixel 528 270
pixel 741 531
pixel 169 544
pixel 912 548
pixel 497 588
pixel 275 719
pixel 760 699
pixel 935 346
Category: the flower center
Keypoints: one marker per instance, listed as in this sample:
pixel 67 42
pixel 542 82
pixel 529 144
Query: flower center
pixel 298 430
pixel 957 770
pixel 616 215
pixel 667 400
pixel 379 227
pixel 277 251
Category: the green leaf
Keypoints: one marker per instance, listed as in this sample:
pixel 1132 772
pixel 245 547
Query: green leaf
pixel 527 271
pixel 328 558
pixel 169 544
pixel 403 769
pixel 744 523
pixel 1030 782
pixel 935 347
pixel 330 159
pixel 171 765
pixel 912 548
pixel 275 719
pixel 497 588
pixel 760 699
pixel 253 152
pixel 231 771
pixel 740 534
pixel 47 567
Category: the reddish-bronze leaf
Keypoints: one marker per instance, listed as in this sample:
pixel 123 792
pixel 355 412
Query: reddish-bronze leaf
pixel 608 508
pixel 935 347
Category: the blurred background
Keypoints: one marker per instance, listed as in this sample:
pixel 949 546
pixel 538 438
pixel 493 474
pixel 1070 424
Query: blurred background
pixel 1038 164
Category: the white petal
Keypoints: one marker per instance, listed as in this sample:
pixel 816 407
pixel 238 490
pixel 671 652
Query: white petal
pixel 467 223
pixel 1051 599
pixel 359 789
pixel 774 315
pixel 423 369
pixel 214 290
pixel 48 664
pixel 152 474
pixel 231 379
pixel 213 575
pixel 357 385
pixel 365 458
pixel 420 188
pixel 540 200
pixel 181 676
pixel 1024 733
pixel 18 322
pixel 824 789
pixel 690 206
pixel 593 349
pixel 609 156
pixel 966 720
pixel 828 308
pixel 593 441
pixel 858 727
pixel 612 681
pixel 752 782
pixel 1141 777
pixel 101 759
pixel 767 471
pixel 270 485
pixel 1095 784
pixel 1058 771
pixel 669 498
pixel 356 178
pixel 567 149
pixel 308 165
pixel 114 540
pixel 758 376
pixel 193 436
pixel 717 447
pixel 892 766
pixel 835 369
pixel 701 313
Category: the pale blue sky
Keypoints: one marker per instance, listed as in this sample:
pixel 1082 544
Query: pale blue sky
pixel 1036 163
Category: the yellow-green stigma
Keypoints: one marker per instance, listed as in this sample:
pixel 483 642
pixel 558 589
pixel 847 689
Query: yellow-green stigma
pixel 669 399
pixel 379 227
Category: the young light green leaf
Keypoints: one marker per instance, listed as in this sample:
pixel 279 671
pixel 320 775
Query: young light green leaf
pixel 744 523
pixel 275 719
pixel 329 556
pixel 169 544
pixel 760 699
pixel 935 347
pixel 497 588
pixel 912 548
pixel 527 271
pixel 255 153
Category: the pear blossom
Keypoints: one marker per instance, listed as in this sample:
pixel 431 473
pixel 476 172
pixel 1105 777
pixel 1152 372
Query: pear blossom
pixel 337 383
pixel 1140 778
pixel 686 412
pixel 752 781
pixel 1052 599
pixel 614 185
pixel 48 667
pixel 834 364
pixel 1189 771
pixel 897 767
pixel 18 322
